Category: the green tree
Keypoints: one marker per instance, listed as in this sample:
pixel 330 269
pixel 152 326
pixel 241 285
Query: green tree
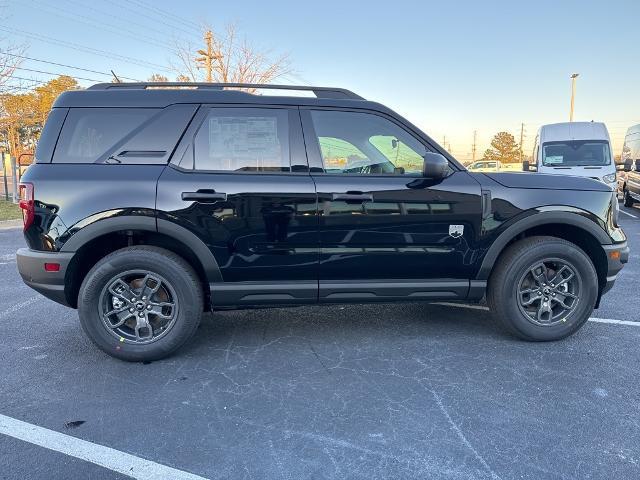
pixel 23 115
pixel 503 149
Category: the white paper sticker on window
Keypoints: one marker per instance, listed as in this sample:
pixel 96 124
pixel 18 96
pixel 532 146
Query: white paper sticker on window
pixel 554 159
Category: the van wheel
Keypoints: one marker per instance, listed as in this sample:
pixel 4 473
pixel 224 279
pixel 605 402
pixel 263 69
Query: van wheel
pixel 628 199
pixel 140 303
pixel 543 289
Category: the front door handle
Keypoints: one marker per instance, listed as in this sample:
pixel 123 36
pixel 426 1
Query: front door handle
pixel 352 197
pixel 204 196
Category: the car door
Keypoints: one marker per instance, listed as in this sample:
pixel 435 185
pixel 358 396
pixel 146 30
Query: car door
pixel 633 176
pixel 240 182
pixel 385 231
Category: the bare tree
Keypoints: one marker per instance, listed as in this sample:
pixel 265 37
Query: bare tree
pixel 10 59
pixel 157 77
pixel 234 60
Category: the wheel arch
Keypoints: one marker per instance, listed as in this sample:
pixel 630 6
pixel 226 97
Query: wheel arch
pixel 573 227
pixel 96 240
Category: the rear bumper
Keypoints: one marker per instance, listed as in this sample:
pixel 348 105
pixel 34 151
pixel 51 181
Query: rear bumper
pixel 50 284
pixel 617 256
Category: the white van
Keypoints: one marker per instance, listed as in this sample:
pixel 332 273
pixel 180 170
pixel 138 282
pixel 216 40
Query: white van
pixel 574 148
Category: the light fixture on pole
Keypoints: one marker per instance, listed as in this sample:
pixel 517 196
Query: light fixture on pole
pixel 573 93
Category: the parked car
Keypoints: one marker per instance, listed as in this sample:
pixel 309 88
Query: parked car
pixel 629 167
pixel 574 148
pixel 485 166
pixel 147 206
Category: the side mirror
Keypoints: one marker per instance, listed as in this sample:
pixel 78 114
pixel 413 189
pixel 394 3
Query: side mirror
pixel 525 165
pixel 435 166
pixel 621 167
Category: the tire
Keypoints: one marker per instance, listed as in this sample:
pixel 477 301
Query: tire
pixel 172 311
pixel 628 199
pixel 514 273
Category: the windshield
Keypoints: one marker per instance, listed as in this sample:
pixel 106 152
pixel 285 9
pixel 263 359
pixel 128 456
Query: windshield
pixel 576 153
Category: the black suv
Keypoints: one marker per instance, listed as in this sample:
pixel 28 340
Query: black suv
pixel 151 203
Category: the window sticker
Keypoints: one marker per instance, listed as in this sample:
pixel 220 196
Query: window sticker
pixel 245 140
pixel 554 159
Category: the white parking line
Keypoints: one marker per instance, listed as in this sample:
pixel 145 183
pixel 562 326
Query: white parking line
pixel 17 307
pixel 627 213
pixel 115 460
pixel 591 319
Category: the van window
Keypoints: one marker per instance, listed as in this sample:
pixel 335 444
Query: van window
pixel 575 153
pixel 89 133
pixel 243 140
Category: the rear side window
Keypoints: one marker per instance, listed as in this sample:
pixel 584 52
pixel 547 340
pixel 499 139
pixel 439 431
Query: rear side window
pixel 89 133
pixel 243 140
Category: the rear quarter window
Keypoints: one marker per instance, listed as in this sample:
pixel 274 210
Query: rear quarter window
pixel 49 137
pixel 90 133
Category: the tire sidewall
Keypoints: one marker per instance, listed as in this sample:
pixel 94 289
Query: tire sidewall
pixel 189 306
pixel 574 320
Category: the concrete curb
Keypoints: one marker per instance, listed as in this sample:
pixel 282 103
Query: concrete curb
pixel 10 224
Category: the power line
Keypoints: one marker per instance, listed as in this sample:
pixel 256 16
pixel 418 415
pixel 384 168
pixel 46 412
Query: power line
pixel 59 74
pixel 63 65
pixel 110 27
pixel 146 10
pixel 167 14
pixel 103 13
pixel 82 48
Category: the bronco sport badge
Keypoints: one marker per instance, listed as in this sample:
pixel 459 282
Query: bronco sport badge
pixel 456 231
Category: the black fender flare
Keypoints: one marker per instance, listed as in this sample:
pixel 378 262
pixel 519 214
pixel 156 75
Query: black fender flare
pixel 575 217
pixel 151 224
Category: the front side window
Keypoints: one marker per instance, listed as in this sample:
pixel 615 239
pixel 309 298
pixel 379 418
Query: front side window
pixel 576 153
pixel 243 140
pixel 363 143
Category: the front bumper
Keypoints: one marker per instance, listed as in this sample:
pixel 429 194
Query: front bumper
pixel 617 256
pixel 50 284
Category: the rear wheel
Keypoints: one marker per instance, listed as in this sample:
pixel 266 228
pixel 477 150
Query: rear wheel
pixel 628 199
pixel 543 288
pixel 140 303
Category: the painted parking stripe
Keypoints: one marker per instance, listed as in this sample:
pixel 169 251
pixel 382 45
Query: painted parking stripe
pixel 591 319
pixel 110 458
pixel 627 213
pixel 20 305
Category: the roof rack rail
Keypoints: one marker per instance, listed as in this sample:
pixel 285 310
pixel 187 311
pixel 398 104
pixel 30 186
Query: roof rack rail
pixel 320 92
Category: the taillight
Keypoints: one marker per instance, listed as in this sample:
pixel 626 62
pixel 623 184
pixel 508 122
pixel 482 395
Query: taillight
pixel 27 204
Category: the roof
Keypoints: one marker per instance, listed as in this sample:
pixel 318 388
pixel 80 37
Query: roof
pixel 633 130
pixel 160 95
pixel 574 131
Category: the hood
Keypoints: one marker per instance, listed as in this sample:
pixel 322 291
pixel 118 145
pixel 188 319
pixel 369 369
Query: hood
pixel 548 181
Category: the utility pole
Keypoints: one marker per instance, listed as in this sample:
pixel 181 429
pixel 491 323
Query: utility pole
pixel 521 139
pixel 473 146
pixel 573 93
pixel 207 58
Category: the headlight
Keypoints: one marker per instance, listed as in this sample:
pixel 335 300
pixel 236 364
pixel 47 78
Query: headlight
pixel 611 178
pixel 615 209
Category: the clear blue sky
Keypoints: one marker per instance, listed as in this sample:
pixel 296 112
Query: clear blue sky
pixel 450 67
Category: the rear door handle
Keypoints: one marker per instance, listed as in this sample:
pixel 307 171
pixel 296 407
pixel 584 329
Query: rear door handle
pixel 204 196
pixel 353 197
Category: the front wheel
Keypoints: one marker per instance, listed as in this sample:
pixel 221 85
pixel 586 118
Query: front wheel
pixel 543 289
pixel 140 303
pixel 628 199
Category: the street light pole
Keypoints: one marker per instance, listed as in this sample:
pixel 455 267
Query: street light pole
pixel 573 94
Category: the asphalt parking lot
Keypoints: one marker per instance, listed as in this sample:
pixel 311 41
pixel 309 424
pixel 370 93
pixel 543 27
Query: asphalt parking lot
pixel 341 392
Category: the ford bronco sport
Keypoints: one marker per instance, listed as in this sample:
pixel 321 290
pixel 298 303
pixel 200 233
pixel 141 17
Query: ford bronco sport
pixel 149 204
